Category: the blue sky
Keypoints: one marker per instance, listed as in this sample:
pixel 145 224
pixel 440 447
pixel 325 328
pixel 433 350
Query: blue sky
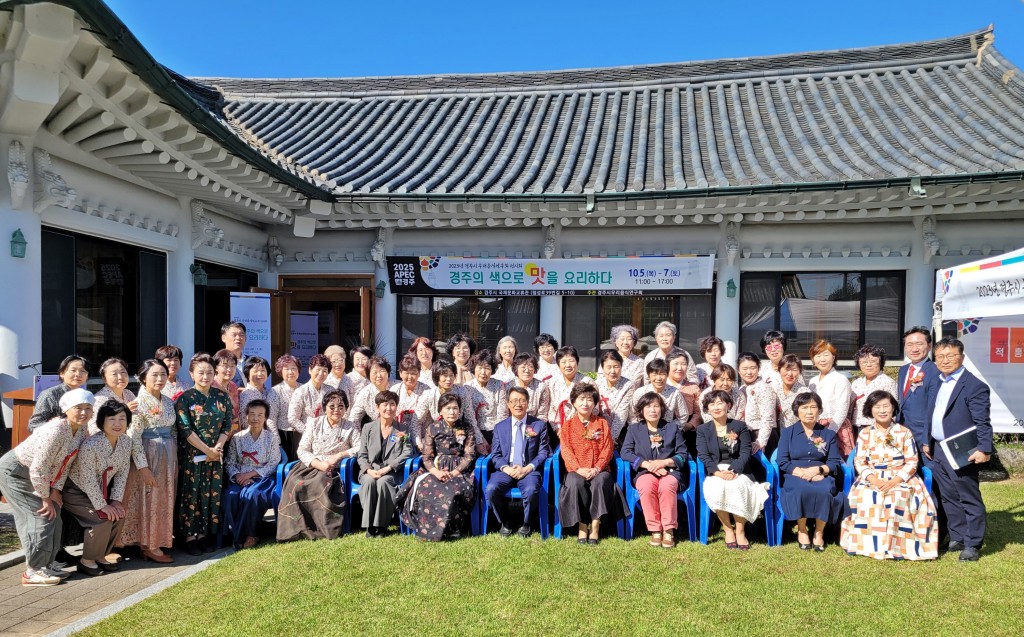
pixel 341 38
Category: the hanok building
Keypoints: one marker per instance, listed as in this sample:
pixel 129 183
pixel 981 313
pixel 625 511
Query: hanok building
pixel 827 187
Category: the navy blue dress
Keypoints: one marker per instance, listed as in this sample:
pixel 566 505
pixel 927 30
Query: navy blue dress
pixel 802 498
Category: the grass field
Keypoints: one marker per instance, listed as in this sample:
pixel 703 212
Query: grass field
pixel 495 586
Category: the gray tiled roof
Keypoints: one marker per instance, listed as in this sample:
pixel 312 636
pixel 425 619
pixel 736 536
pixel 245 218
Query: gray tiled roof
pixel 841 116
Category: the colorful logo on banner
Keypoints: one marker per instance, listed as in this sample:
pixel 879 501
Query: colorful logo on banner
pixel 429 263
pixel 946 277
pixel 966 326
pixel 1007 345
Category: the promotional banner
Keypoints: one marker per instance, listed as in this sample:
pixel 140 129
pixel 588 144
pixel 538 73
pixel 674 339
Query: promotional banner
pixel 252 309
pixel 994 349
pixel 991 287
pixel 984 300
pixel 304 340
pixel 613 276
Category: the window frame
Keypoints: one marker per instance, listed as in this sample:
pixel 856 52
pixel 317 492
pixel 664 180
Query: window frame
pixel 399 324
pixel 776 278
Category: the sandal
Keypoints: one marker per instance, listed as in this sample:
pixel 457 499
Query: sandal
pixel 655 539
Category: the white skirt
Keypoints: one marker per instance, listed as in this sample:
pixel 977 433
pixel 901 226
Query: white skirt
pixel 740 496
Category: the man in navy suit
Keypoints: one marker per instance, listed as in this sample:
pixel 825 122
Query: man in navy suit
pixel 957 401
pixel 913 380
pixel 520 447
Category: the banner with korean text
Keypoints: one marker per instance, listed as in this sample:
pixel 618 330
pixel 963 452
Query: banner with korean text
pixel 305 340
pixel 252 309
pixel 984 302
pixel 612 276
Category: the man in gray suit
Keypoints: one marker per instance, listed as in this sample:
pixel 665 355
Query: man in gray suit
pixel 385 448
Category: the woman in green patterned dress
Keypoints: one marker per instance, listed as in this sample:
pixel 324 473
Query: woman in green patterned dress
pixel 204 425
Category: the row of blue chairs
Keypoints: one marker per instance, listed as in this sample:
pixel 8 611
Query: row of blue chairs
pixel 698 515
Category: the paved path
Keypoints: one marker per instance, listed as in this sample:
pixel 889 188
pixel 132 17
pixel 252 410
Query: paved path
pixel 38 611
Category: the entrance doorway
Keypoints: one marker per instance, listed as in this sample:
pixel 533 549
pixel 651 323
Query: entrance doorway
pixel 343 304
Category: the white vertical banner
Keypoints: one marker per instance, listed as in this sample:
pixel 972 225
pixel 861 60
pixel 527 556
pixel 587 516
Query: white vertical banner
pixel 305 340
pixel 252 309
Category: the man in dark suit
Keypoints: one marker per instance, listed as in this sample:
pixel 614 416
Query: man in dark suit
pixel 957 401
pixel 520 447
pixel 913 380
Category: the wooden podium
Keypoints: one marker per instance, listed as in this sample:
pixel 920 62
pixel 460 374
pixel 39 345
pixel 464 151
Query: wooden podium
pixel 24 404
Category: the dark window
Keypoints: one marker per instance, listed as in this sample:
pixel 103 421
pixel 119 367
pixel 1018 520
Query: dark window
pixel 101 299
pixel 847 309
pixel 213 302
pixel 588 321
pixel 486 319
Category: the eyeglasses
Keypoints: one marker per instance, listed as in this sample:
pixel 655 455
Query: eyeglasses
pixel 773 346
pixel 947 357
pixel 519 402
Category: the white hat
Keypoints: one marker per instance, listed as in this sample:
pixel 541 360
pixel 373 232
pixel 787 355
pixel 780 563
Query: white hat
pixel 76 397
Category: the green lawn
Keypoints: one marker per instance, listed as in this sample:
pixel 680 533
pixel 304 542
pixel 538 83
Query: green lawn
pixel 490 586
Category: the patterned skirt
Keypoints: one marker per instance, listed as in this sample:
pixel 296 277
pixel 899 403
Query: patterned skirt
pixel 150 519
pixel 436 510
pixel 312 505
pixel 899 525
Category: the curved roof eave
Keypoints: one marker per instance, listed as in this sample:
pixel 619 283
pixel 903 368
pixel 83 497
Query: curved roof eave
pixel 192 100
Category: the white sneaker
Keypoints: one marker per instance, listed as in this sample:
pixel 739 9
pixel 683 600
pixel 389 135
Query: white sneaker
pixel 39 578
pixel 56 571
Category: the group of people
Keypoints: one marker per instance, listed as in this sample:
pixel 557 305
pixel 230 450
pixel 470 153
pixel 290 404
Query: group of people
pixel 194 454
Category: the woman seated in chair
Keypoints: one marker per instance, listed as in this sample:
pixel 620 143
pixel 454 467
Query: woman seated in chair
pixel 656 451
pixel 385 447
pixel 436 503
pixel 253 456
pixel 314 495
pixel 723 446
pixel 588 495
pixel 809 461
pixel 892 515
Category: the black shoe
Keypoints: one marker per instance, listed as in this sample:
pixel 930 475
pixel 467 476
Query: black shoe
pixel 193 548
pixel 592 542
pixel 955 546
pixel 969 554
pixel 505 531
pixel 804 547
pixel 109 568
pixel 819 548
pixel 89 571
pixel 524 531
pixel 208 545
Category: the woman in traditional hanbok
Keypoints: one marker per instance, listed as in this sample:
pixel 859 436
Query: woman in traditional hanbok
pixel 437 501
pixel 253 456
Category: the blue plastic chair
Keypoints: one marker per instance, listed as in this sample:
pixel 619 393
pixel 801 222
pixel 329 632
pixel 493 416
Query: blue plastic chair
pixel 780 517
pixel 850 473
pixel 688 497
pixel 412 465
pixel 280 476
pixel 349 469
pixel 514 493
pixel 770 506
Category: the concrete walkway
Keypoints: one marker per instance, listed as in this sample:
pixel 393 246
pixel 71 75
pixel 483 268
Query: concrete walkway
pixel 80 600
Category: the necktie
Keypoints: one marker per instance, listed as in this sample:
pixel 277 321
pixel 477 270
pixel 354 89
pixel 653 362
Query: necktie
pixel 517 445
pixel 910 376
